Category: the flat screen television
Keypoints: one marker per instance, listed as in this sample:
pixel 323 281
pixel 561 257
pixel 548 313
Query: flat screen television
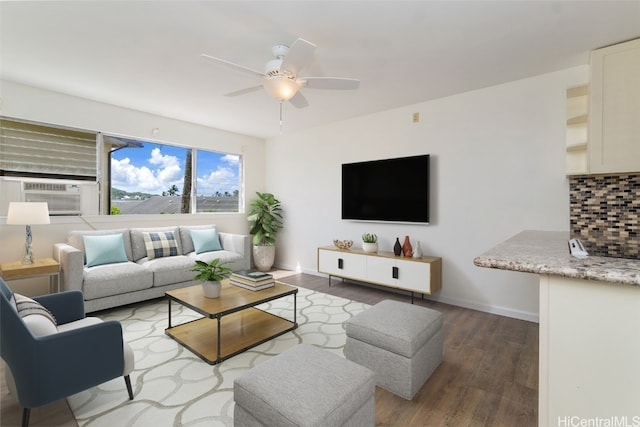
pixel 394 190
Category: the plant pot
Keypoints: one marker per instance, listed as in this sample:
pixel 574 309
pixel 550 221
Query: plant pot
pixel 211 289
pixel 264 257
pixel 370 247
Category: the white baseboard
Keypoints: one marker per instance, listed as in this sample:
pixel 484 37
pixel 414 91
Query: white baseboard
pixel 500 311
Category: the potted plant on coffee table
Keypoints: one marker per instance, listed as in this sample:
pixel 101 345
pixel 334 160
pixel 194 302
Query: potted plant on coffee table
pixel 369 242
pixel 265 216
pixel 211 274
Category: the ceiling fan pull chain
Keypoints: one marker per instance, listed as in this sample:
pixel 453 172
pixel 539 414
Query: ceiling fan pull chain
pixel 281 102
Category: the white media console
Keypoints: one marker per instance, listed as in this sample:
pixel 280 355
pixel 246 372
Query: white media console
pixel 416 275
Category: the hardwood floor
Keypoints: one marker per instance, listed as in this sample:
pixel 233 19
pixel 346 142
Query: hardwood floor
pixel 489 373
pixel 488 377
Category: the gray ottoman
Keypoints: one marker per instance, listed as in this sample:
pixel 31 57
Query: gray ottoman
pixel 305 386
pixel 400 342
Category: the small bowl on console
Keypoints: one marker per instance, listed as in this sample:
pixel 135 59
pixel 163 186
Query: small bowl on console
pixel 343 244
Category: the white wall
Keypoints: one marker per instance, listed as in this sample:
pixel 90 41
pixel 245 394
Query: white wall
pixel 497 168
pixel 28 103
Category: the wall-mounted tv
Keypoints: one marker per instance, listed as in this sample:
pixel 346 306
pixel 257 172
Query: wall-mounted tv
pixel 387 190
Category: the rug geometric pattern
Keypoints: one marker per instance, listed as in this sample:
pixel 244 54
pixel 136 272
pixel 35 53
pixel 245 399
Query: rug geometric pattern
pixel 174 387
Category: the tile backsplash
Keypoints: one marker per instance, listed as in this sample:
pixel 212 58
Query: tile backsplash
pixel 605 214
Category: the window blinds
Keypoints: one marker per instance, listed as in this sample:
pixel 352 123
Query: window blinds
pixel 28 149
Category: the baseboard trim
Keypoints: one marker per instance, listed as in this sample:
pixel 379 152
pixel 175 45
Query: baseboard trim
pixel 500 311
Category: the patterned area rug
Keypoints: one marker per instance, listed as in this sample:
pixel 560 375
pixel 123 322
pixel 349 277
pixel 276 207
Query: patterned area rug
pixel 173 387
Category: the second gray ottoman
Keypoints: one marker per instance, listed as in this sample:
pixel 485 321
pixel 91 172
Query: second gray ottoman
pixel 400 342
pixel 305 386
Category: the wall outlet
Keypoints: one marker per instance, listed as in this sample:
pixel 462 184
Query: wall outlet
pixel 416 117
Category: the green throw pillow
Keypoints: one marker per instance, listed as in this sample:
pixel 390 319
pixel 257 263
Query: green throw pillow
pixel 206 240
pixel 104 249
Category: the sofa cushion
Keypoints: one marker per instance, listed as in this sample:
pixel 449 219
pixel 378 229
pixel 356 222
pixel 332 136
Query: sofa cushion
pixel 114 279
pixel 75 239
pixel 37 318
pixel 161 244
pixel 224 256
pixel 104 249
pixel 138 245
pixel 185 236
pixel 169 270
pixel 205 240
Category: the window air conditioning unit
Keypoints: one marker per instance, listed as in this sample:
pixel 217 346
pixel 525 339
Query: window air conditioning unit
pixel 62 198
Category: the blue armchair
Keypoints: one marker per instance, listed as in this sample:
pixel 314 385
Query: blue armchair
pixel 81 353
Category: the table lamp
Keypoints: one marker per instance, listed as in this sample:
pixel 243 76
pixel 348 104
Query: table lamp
pixel 27 213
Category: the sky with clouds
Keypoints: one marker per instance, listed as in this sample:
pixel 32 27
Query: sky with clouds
pixel 154 168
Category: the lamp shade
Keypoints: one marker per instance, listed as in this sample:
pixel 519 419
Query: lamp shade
pixel 28 213
pixel 281 87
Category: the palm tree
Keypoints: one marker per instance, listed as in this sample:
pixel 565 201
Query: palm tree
pixel 186 187
pixel 173 190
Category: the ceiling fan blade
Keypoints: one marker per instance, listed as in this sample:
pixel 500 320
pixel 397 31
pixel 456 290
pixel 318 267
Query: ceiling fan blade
pixel 232 65
pixel 244 91
pixel 299 101
pixel 300 54
pixel 335 83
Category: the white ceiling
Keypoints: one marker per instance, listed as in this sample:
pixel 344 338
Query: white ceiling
pixel 145 55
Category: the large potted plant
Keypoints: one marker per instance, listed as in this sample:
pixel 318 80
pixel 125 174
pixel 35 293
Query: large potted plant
pixel 211 274
pixel 265 216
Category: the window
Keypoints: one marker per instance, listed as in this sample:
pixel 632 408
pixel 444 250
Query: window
pixel 115 175
pixel 151 178
pixel 218 181
pixel 33 150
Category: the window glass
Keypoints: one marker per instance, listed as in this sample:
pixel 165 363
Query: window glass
pixel 218 182
pixel 151 178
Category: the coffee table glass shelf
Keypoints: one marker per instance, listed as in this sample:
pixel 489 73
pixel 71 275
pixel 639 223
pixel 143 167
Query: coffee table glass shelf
pixel 231 323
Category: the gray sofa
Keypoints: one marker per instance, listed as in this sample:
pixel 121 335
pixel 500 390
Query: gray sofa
pixel 122 266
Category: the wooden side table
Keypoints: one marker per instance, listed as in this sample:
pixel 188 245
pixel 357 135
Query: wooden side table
pixel 41 267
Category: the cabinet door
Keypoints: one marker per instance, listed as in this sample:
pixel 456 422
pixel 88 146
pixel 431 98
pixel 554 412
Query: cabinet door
pixel 414 275
pixel 614 130
pixel 380 270
pixel 411 275
pixel 341 263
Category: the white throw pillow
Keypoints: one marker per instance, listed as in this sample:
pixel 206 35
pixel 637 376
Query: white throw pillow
pixel 35 316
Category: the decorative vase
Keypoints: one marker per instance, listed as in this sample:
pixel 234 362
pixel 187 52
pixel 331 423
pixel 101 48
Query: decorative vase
pixel 397 248
pixel 264 257
pixel 370 247
pixel 417 251
pixel 407 250
pixel 211 289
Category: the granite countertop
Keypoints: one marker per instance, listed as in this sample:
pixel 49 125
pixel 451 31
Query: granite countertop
pixel 547 252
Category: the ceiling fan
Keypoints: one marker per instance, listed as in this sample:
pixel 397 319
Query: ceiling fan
pixel 281 79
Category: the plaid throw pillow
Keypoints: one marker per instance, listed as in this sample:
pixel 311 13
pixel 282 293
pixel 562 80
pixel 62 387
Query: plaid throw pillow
pixel 160 244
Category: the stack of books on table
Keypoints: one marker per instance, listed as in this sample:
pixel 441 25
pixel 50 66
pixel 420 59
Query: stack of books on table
pixel 252 279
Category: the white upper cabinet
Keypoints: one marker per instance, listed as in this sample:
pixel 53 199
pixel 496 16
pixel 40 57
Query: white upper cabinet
pixel 614 109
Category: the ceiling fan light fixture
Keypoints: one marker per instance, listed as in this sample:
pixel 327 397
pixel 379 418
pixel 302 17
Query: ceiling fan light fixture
pixel 281 87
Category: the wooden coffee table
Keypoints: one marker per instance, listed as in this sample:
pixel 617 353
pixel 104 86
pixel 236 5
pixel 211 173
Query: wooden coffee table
pixel 231 323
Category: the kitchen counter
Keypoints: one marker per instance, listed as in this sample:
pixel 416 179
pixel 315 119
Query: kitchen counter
pixel 547 252
pixel 589 327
